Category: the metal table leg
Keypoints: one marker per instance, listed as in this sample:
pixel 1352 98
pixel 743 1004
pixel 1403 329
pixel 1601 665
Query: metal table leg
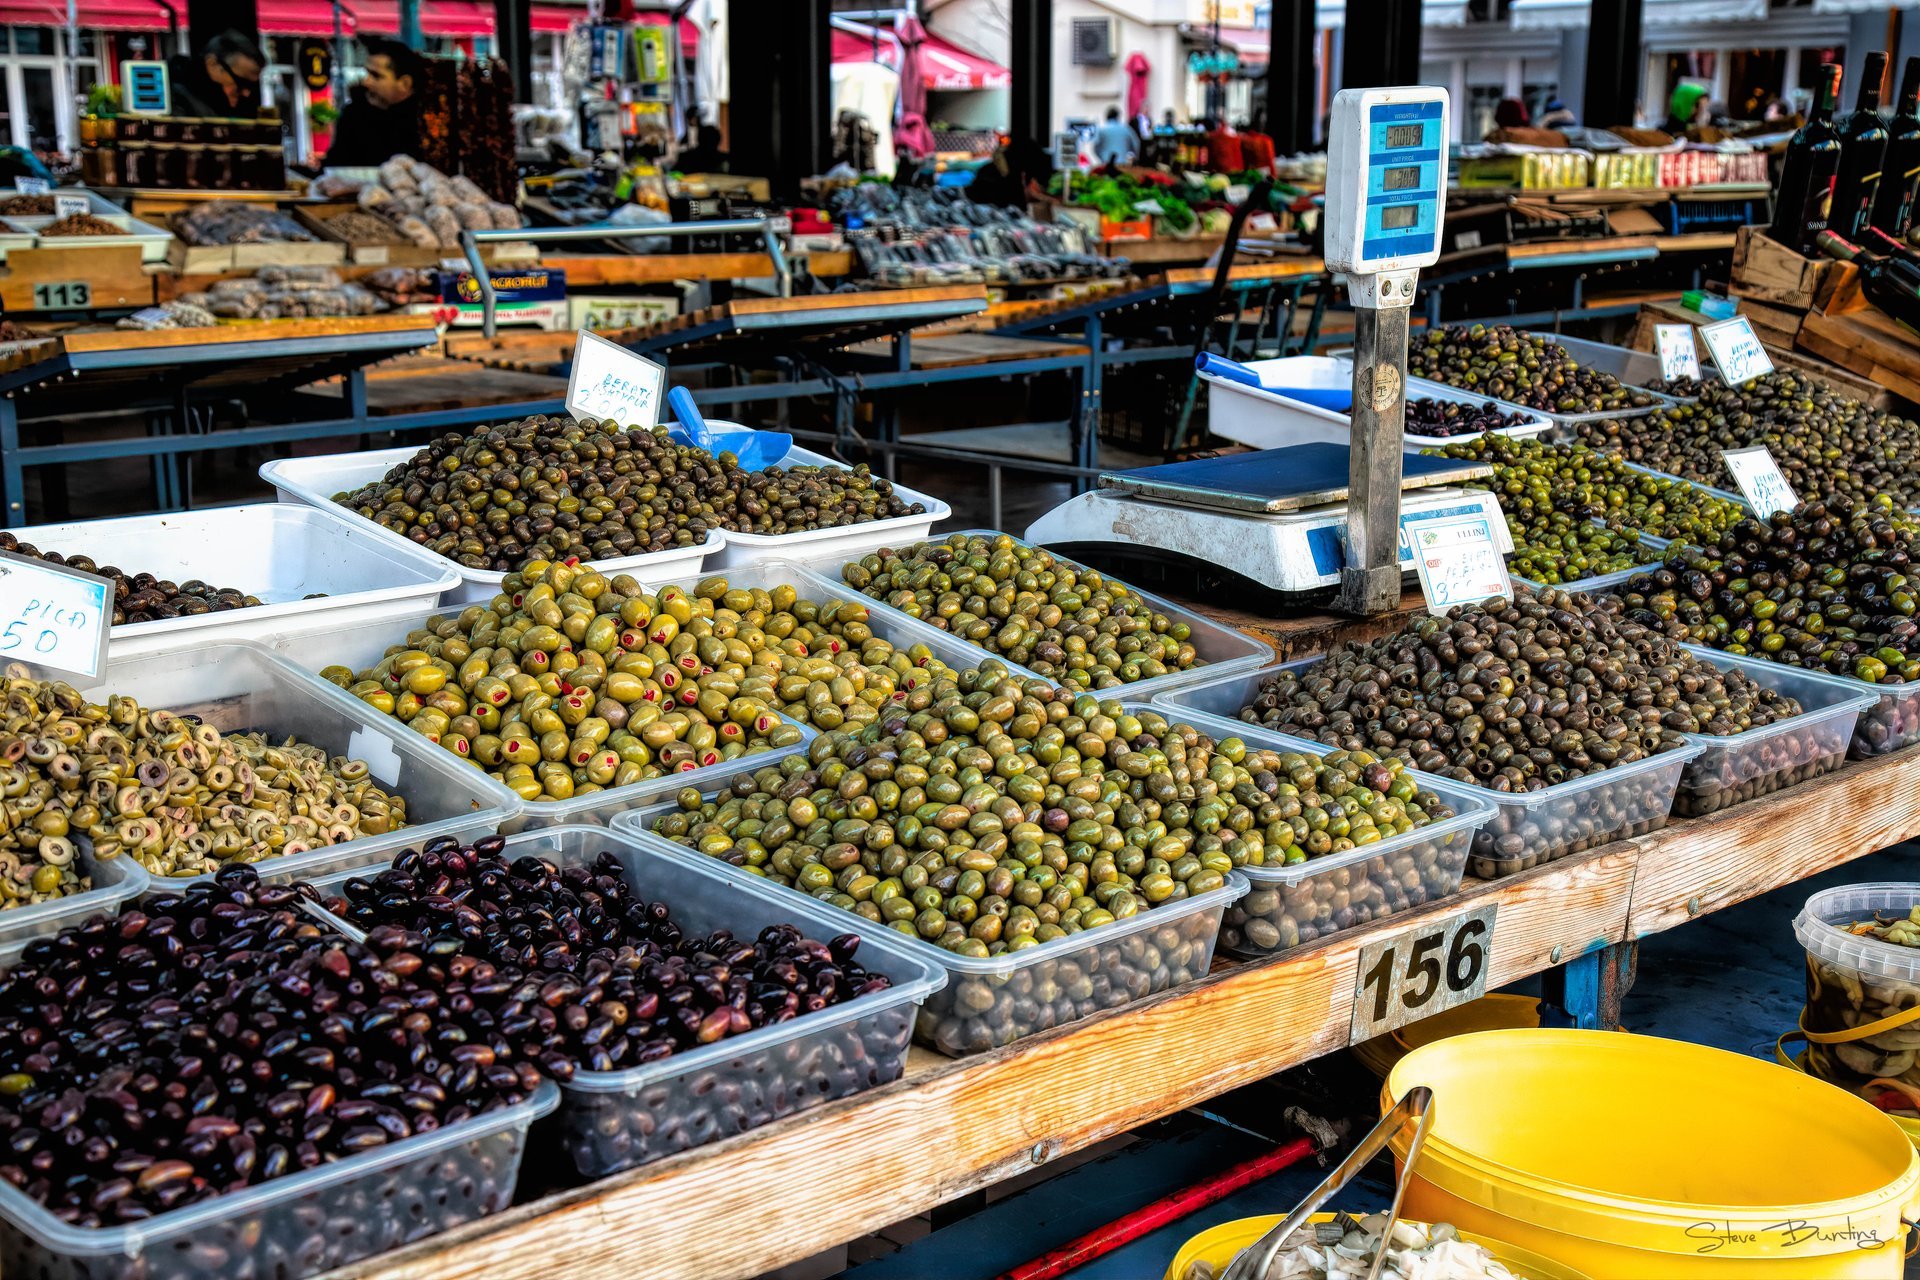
pixel 1587 990
pixel 13 476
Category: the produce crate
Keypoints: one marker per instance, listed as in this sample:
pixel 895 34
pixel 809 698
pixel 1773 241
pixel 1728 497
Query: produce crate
pixel 989 1003
pixel 214 259
pixel 614 1120
pixel 1768 271
pixel 281 553
pixel 1132 229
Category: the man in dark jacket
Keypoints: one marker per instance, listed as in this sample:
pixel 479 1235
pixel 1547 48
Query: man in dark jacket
pixel 383 120
pixel 223 82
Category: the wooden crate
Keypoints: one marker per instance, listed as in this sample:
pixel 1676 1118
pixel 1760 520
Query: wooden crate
pixel 205 259
pixel 1776 326
pixel 1767 271
pixel 1785 358
pixel 1851 332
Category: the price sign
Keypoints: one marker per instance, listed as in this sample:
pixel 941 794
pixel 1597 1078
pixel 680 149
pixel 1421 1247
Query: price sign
pixel 1678 359
pixel 67 206
pixel 1418 974
pixel 62 295
pixel 32 186
pixel 609 381
pixel 1760 481
pixel 53 616
pixel 1458 559
pixel 1148 207
pixel 316 63
pixel 1736 350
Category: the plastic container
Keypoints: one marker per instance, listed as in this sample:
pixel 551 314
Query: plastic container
pixel 989 1003
pixel 1891 723
pixel 237 686
pixel 312 482
pixel 1723 494
pixel 115 880
pixel 1272 419
pixel 1746 766
pixel 152 240
pixel 298 1225
pixel 280 553
pixel 1529 828
pixel 1858 987
pixel 1220 648
pixel 1562 422
pixel 362 646
pixel 1606 581
pixel 1643 1179
pixel 1219 1246
pixel 614 1120
pixel 847 541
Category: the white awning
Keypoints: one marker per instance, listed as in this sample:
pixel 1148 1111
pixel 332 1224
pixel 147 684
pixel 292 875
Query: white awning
pixel 1672 13
pixel 1547 15
pixel 1830 8
pixel 1332 14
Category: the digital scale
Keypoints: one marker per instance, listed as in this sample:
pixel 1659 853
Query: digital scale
pixel 1310 517
pixel 1276 519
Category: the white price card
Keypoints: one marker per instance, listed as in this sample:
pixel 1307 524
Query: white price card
pixel 1736 350
pixel 68 206
pixel 1417 974
pixel 32 186
pixel 1678 359
pixel 1457 557
pixel 52 616
pixel 1150 207
pixel 1760 481
pixel 609 381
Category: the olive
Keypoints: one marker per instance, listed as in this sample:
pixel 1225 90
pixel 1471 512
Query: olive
pixel 1442 418
pixel 149 601
pixel 1519 368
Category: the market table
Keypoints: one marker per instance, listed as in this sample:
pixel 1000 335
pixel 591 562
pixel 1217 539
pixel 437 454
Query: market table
pixel 949 1127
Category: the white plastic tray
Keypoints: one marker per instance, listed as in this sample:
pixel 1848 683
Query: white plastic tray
pixel 152 240
pixel 280 553
pixel 1272 420
pixel 848 541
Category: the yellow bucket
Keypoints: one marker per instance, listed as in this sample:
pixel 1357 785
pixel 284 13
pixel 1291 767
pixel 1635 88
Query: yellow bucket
pixel 1631 1156
pixel 1488 1013
pixel 1219 1245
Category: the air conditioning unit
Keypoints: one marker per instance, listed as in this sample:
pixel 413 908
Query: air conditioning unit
pixel 1093 42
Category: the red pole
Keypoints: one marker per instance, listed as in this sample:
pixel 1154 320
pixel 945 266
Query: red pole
pixel 1130 1227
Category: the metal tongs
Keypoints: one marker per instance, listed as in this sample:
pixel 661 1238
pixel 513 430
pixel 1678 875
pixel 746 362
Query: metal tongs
pixel 1416 1105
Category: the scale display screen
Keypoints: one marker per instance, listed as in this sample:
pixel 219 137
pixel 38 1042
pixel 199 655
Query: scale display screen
pixel 1402 179
pixel 1405 135
pixel 1400 216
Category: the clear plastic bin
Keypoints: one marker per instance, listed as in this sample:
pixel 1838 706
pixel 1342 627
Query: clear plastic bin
pixel 115 880
pixel 993 1002
pixel 1563 423
pixel 1606 581
pixel 1853 981
pixel 242 687
pixel 298 1225
pixel 277 552
pixel 614 1120
pixel 1220 648
pixel 1749 765
pixel 1530 828
pixel 1723 494
pixel 313 482
pixel 849 541
pixel 1891 723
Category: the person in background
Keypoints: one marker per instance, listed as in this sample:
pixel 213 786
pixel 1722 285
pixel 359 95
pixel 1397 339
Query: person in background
pixel 705 156
pixel 223 82
pixel 383 119
pixel 1115 141
pixel 1687 110
pixel 1004 179
pixel 1556 115
pixel 1511 113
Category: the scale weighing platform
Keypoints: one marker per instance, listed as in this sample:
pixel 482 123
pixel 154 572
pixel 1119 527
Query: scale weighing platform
pixel 1276 519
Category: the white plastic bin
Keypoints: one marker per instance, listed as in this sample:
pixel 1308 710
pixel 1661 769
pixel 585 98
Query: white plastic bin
pixel 115 881
pixel 614 1120
pixel 151 240
pixel 1272 420
pixel 279 553
pixel 849 541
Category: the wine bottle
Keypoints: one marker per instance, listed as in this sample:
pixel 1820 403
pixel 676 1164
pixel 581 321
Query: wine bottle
pixel 1883 280
pixel 1806 176
pixel 1900 172
pixel 1863 147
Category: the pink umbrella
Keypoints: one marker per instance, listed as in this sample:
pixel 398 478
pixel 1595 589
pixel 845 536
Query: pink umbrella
pixel 1137 68
pixel 913 80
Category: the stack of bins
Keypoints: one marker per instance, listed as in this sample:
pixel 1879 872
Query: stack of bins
pixel 1525 829
pixel 614 1120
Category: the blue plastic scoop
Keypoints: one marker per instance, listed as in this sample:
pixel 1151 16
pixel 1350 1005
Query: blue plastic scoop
pixel 755 449
pixel 1335 399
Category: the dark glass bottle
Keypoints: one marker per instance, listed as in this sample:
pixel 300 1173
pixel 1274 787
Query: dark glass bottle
pixel 1863 148
pixel 1806 175
pixel 1900 172
pixel 1890 284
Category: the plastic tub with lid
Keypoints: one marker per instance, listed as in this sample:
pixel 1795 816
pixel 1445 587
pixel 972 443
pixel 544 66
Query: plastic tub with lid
pixel 1862 1017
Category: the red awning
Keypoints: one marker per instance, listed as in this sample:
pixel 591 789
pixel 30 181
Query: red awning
pixel 945 66
pixel 304 18
pixel 96 15
pixel 556 18
pixel 437 17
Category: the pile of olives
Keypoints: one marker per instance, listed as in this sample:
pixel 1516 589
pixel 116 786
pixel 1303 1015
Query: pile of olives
pixel 551 488
pixel 1825 443
pixel 1074 626
pixel 1826 586
pixel 571 682
pixel 1534 478
pixel 1520 368
pixel 178 795
pixel 141 597
pixel 1444 418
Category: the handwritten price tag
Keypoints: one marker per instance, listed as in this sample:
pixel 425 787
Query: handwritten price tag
pixel 67 206
pixel 52 616
pixel 1760 481
pixel 1458 559
pixel 610 381
pixel 1736 350
pixel 32 186
pixel 1678 359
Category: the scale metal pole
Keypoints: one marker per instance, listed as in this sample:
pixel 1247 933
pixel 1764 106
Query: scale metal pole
pixel 1370 580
